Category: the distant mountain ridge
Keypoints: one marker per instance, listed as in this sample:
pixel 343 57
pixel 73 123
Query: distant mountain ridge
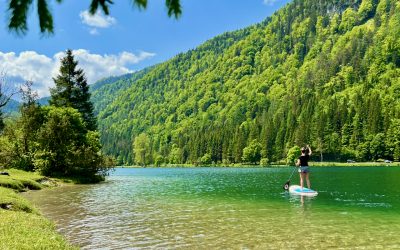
pixel 319 72
pixel 11 107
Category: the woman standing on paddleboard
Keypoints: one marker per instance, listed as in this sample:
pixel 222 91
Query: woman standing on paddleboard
pixel 302 163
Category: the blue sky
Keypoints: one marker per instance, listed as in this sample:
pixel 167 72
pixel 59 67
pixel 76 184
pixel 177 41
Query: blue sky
pixel 127 40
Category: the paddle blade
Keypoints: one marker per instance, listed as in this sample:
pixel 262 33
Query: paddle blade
pixel 286 186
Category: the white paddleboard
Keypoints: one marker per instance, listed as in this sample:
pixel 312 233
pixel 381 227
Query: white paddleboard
pixel 296 189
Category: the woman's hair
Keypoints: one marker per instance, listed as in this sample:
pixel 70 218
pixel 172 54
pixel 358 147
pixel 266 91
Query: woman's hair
pixel 303 150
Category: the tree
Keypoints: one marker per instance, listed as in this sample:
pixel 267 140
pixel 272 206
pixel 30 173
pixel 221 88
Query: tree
pixel 292 155
pixel 264 162
pixel 141 149
pixel 30 122
pixel 176 155
pixel 158 160
pixel 252 153
pixel 4 99
pixel 377 146
pixel 320 148
pixel 206 159
pixel 60 135
pixel 66 148
pixel 19 12
pixel 393 139
pixel 72 90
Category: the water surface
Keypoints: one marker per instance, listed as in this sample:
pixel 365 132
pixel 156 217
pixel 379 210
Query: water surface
pixel 239 208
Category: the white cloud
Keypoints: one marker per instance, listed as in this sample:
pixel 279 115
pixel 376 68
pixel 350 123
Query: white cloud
pixel 94 31
pixel 270 2
pixel 98 20
pixel 29 65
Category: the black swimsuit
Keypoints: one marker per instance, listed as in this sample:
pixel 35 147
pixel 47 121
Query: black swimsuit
pixel 304 164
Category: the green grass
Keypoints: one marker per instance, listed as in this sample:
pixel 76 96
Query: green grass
pixel 21 224
pixel 21 180
pixel 21 230
pixel 8 182
pixel 10 200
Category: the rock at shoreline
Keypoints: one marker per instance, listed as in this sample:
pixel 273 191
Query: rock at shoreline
pixel 48 182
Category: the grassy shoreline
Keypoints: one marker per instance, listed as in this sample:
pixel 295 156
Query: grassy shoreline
pixel 21 225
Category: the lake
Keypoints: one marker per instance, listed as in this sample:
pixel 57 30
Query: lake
pixel 229 208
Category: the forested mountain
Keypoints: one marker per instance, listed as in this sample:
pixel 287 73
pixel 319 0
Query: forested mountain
pixel 323 72
pixel 11 107
pixel 100 83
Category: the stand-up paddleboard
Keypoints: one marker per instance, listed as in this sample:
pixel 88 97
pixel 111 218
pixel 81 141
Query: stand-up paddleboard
pixel 296 189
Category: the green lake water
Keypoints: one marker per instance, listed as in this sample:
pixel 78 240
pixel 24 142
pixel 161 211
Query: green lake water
pixel 229 208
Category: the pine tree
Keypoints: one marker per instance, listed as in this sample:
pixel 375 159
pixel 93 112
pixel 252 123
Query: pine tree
pixel 72 90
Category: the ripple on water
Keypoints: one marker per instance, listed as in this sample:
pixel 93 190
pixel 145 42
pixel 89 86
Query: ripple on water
pixel 221 208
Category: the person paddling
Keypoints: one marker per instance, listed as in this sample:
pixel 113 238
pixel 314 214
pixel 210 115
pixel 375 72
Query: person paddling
pixel 302 163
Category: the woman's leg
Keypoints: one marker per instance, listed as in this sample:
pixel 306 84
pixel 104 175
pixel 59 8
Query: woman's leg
pixel 308 179
pixel 302 175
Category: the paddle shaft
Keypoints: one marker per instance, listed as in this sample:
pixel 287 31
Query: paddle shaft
pixel 286 185
pixel 292 173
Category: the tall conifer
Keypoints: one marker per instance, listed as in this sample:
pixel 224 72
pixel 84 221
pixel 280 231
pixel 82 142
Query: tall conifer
pixel 72 90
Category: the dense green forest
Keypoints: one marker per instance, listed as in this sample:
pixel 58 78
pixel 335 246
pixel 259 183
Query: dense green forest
pixel 321 72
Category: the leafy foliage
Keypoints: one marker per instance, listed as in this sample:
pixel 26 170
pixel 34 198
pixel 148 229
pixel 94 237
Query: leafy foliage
pixel 141 147
pixel 252 153
pixel 206 159
pixel 292 155
pixel 19 12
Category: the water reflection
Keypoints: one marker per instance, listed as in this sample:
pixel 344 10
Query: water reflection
pixel 302 200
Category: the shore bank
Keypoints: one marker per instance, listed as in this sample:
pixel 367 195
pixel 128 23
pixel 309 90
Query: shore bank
pixel 22 226
pixel 355 164
pixel 314 164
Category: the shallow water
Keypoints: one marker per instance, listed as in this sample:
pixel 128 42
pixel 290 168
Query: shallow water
pixel 229 208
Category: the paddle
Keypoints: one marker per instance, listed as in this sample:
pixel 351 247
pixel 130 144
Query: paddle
pixel 287 184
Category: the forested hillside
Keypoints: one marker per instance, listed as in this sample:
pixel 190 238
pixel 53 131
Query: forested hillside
pixel 320 72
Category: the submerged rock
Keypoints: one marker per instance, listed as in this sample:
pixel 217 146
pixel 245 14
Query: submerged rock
pixel 48 182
